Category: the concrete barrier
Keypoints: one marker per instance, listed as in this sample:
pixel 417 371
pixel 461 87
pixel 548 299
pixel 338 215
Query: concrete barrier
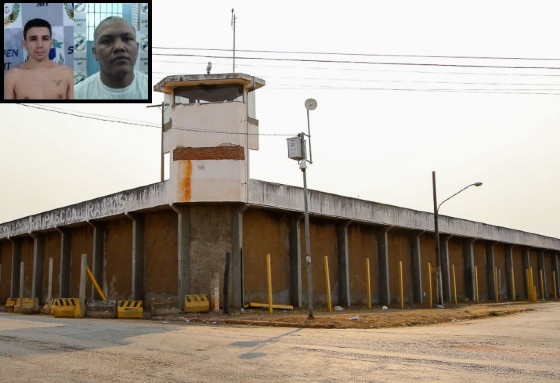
pixel 130 309
pixel 197 303
pixel 48 307
pixel 164 306
pixel 67 308
pixel 10 303
pixel 30 306
pixel 101 309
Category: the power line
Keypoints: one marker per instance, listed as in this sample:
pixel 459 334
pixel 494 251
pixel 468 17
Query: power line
pixel 75 114
pixel 150 125
pixel 422 81
pixel 440 69
pixel 389 63
pixel 100 116
pixel 533 90
pixel 378 70
pixel 365 54
pixel 432 90
pixel 233 133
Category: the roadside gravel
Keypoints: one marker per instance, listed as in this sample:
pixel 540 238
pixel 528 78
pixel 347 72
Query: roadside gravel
pixel 377 317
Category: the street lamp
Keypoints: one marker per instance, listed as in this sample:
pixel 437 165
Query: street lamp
pixel 439 281
pixel 297 151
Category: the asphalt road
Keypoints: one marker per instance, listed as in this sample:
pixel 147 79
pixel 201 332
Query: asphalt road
pixel 518 348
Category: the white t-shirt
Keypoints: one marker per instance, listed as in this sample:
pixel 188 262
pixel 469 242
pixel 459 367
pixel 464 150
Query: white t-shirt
pixel 93 89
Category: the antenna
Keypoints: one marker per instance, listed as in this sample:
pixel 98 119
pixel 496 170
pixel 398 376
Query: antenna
pixel 233 17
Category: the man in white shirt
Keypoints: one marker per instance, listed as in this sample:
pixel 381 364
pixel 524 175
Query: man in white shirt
pixel 116 50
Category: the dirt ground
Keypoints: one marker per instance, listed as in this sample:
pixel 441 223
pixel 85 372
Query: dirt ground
pixel 377 317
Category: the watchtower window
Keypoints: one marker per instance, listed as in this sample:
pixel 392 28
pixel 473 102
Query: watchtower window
pixel 204 94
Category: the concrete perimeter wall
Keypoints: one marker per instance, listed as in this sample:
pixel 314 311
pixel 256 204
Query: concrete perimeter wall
pixel 142 245
pixel 286 197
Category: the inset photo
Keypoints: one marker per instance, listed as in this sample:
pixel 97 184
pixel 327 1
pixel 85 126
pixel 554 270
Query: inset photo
pixel 111 51
pixel 77 52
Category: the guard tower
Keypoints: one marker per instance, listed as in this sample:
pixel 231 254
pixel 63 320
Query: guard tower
pixel 209 125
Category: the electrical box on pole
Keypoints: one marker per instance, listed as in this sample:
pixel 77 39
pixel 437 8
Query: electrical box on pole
pixel 296 148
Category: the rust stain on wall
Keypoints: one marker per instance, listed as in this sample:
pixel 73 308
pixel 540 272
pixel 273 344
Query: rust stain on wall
pixel 224 152
pixel 185 182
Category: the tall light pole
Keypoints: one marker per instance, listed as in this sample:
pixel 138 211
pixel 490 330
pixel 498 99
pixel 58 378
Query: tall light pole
pixel 439 280
pixel 297 151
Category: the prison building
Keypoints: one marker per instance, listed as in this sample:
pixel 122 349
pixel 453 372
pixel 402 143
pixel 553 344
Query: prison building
pixel 161 242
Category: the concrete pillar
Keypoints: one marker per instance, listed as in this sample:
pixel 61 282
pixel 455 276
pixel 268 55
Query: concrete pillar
pixel 383 266
pixel 509 271
pixel 16 259
pixel 236 300
pixel 343 265
pixel 137 288
pixel 526 264
pixel 183 253
pixel 49 285
pixel 97 258
pixel 83 279
pixel 64 274
pixel 416 265
pixel 296 291
pixel 37 271
pixel 468 259
pixel 21 283
pixel 542 270
pixel 490 264
pixel 445 268
pixel 555 268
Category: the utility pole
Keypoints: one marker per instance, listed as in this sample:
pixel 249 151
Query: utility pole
pixel 297 150
pixel 162 106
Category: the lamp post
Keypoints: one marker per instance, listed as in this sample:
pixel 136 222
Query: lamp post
pixel 297 151
pixel 439 280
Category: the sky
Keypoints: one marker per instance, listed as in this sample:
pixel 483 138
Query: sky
pixel 468 89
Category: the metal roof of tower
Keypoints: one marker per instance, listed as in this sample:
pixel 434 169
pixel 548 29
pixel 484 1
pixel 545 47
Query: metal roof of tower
pixel 170 82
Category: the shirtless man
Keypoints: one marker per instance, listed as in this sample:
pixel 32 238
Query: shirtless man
pixel 39 78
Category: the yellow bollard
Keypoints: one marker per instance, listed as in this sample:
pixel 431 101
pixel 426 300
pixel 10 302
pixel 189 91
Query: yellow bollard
pixel 430 284
pixel 454 284
pixel 401 284
pixel 476 284
pixel 368 287
pixel 543 297
pixel 534 293
pixel 328 284
pixel 496 287
pixel 269 283
pixel 512 284
pixel 99 291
